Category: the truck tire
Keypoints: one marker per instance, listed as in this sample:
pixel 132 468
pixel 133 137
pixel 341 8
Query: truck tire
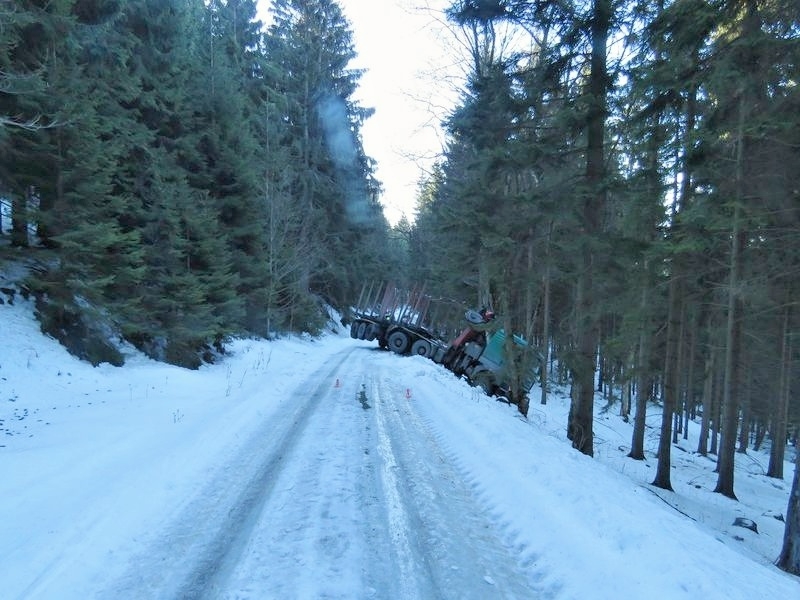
pixel 462 364
pixel 398 342
pixel 362 330
pixel 421 348
pixel 484 380
pixel 354 330
pixel 447 359
pixel 437 355
pixel 473 317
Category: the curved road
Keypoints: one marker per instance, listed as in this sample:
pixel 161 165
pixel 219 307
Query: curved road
pixel 346 495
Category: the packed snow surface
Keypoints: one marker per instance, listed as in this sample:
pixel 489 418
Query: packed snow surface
pixel 326 468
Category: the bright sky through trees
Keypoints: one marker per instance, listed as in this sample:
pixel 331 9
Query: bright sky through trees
pixel 410 81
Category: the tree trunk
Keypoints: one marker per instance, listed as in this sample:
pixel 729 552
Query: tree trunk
pixel 730 401
pixel 513 354
pixel 563 370
pixel 747 412
pixel 730 395
pixel 679 391
pixel 761 431
pixel 676 420
pixel 689 401
pixel 601 370
pixel 708 391
pixel 580 422
pixel 484 298
pixel 744 429
pixel 545 373
pixel 780 413
pixel 645 383
pixel 671 379
pixel 579 428
pixel 19 221
pixel 627 387
pixel 715 409
pixel 789 559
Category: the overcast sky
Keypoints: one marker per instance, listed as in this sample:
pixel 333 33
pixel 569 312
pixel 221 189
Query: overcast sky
pixel 409 81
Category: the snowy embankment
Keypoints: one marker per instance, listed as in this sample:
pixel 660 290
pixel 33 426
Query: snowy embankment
pixel 100 465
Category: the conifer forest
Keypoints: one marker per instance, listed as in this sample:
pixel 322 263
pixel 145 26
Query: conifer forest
pixel 621 184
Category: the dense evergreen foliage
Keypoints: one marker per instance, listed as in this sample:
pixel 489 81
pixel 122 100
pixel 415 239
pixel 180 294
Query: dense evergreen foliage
pixel 196 175
pixel 623 177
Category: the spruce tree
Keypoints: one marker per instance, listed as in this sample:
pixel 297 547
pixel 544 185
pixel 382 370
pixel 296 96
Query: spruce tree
pixel 179 286
pixel 327 177
pixel 221 152
pixel 39 76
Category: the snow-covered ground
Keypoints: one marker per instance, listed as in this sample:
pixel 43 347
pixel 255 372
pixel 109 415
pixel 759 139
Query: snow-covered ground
pixel 329 469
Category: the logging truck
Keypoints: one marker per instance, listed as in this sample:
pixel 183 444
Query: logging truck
pixel 409 322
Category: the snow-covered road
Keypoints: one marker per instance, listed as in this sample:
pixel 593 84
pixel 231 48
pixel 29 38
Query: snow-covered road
pixel 347 494
pixel 326 468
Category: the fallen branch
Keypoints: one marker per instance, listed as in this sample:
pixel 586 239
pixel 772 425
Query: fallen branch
pixel 670 505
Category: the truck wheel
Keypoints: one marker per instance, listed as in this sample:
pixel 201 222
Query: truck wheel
pixel 354 330
pixel 362 330
pixel 450 359
pixel 398 342
pixel 484 380
pixel 462 364
pixel 421 348
pixel 437 355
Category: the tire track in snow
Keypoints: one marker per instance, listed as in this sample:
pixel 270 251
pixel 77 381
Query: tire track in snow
pixel 317 531
pixel 435 418
pixel 213 529
pixel 456 540
pixel 327 500
pixel 336 526
pixel 399 518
